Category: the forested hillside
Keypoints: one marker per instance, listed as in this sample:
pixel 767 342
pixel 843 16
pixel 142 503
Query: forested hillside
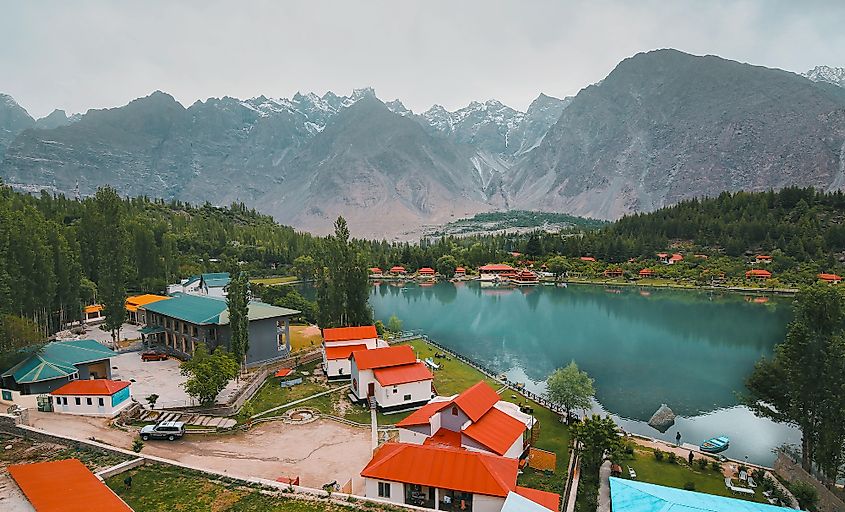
pixel 57 254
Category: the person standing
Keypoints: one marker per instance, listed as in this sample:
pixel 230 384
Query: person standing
pixel 678 438
pixel 690 458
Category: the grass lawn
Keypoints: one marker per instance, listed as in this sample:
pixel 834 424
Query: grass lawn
pixel 165 488
pixel 453 376
pixel 677 475
pixel 302 339
pixel 270 281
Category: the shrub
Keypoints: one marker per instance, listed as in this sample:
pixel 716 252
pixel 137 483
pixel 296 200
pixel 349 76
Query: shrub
pixel 137 446
pixel 806 494
pixel 716 465
pixel 689 486
pixel 703 463
pixel 658 455
pixel 671 457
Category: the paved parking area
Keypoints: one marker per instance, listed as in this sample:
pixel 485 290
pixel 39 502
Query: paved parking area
pixel 160 377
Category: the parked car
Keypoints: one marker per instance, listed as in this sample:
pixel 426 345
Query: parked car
pixel 153 355
pixel 169 430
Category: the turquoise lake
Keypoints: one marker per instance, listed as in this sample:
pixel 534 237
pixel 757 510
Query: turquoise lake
pixel 691 350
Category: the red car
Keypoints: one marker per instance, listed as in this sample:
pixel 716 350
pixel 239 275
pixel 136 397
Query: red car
pixel 152 355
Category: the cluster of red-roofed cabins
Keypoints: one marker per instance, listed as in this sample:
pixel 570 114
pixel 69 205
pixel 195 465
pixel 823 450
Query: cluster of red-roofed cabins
pixel 458 453
pixel 670 259
pixel 392 376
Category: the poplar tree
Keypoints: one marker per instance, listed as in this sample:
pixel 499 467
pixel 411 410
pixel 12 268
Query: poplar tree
pixel 237 299
pixel 342 286
pixel 112 251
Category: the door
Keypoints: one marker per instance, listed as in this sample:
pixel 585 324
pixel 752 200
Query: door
pixel 371 389
pixel 101 405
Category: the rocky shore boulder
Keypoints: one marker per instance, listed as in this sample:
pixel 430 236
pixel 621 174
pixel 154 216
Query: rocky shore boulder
pixel 663 418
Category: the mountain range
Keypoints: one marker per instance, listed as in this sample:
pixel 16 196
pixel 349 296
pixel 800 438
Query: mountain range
pixel 661 127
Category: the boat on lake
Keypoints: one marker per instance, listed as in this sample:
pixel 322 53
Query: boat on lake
pixel 715 445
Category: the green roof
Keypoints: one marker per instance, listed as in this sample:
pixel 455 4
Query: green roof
pixel 635 496
pixel 151 329
pixel 201 310
pixel 57 359
pixel 216 280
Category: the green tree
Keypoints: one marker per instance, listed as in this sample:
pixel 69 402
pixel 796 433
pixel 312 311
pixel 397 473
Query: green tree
pixel 570 388
pixel 446 265
pixel 208 373
pixel 342 286
pixel 18 333
pixel 112 257
pixel 534 246
pixel 557 265
pixel 802 383
pixel 594 437
pixel 304 267
pixel 237 300
pixel 394 324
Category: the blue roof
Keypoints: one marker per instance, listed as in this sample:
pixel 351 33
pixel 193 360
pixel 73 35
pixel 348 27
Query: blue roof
pixel 57 359
pixel 634 496
pixel 516 503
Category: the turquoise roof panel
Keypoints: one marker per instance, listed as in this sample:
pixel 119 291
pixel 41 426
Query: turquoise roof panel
pixel 634 496
pixel 202 310
pixel 58 359
pixel 516 503
pixel 216 280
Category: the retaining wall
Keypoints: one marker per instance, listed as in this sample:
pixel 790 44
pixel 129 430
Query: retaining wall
pixel 792 471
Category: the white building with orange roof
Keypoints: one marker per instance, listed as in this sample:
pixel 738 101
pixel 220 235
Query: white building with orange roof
pixel 393 376
pixel 476 420
pixel 95 397
pixel 444 478
pixel 340 342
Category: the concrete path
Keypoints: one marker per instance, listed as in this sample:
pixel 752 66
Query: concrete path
pixel 604 487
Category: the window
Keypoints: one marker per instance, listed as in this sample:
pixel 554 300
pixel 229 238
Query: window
pixel 88 401
pixel 100 402
pixel 395 390
pixel 384 489
pixel 406 398
pixel 78 401
pixel 454 410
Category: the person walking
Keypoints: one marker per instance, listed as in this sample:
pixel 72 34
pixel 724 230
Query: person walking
pixel 690 458
pixel 678 438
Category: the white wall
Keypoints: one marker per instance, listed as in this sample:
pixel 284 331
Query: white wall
pixel 363 378
pixel 392 396
pixel 397 490
pixel 89 410
pixel 450 422
pixel 483 503
pixel 22 401
pixel 414 435
pixel 333 365
pixel 371 343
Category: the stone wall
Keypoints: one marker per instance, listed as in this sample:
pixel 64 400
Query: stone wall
pixel 791 471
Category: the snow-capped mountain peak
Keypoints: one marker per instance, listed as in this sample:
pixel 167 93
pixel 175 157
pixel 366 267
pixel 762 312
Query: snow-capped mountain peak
pixel 835 76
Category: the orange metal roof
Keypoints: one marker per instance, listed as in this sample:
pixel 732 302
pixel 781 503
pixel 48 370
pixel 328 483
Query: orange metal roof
pixel 423 415
pixel 397 268
pixel 447 468
pixel 676 257
pixel 132 303
pixel 65 486
pixel 496 430
pixel 763 257
pixel 92 308
pixel 426 270
pixel 342 352
pixel 494 267
pixel 363 332
pixel 375 270
pixel 758 272
pixel 587 258
pixel 444 438
pixel 549 500
pixel 91 387
pixel 646 271
pixel 384 357
pixel 460 269
pixel 662 255
pixel 829 277
pixel 284 372
pixel 477 400
pixel 402 374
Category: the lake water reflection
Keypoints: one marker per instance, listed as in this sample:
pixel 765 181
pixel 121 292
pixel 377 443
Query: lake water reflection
pixel 689 349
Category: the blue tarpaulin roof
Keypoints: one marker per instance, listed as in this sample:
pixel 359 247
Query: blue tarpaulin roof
pixel 634 496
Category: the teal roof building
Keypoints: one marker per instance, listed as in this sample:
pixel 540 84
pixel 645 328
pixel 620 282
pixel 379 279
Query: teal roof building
pixel 57 363
pixel 634 496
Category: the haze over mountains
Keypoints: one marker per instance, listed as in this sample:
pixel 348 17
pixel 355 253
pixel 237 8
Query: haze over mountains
pixel 663 126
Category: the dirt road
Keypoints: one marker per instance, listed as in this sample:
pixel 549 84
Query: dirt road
pixel 319 452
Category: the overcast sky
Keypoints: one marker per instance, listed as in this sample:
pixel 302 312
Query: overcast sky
pixel 80 55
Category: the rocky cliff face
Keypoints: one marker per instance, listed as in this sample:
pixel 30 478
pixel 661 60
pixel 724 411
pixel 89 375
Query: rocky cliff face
pixel 662 127
pixel 666 126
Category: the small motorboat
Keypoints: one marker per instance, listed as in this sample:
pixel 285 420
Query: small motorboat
pixel 715 445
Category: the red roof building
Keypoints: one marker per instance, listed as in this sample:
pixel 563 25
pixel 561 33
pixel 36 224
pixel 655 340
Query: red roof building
pixel 524 277
pixel 95 387
pixel 587 258
pixel 375 271
pixel 65 486
pixel 364 332
pixel 282 372
pixel 613 272
pixel 391 375
pixel 398 269
pixel 485 422
pixel 646 272
pixel 830 278
pixel 445 476
pixel 460 271
pixel 496 267
pixel 426 271
pixel 340 342
pixel 675 258
pixel 97 397
pixel 757 273
pixel 342 351
pixel 762 258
